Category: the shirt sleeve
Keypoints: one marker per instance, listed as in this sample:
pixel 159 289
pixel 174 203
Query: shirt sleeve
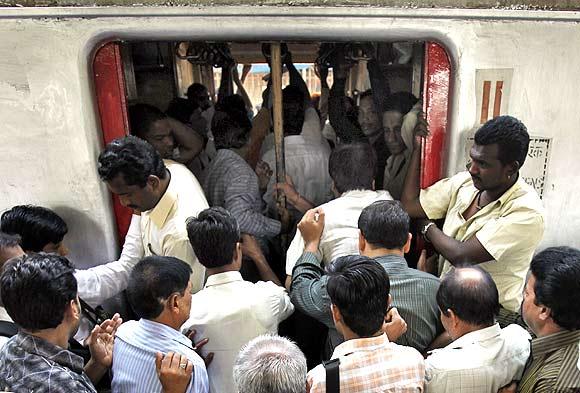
pixel 294 252
pixel 280 306
pixel 240 202
pixel 181 248
pixel 435 200
pixel 99 283
pixel 308 289
pixel 199 380
pixel 515 234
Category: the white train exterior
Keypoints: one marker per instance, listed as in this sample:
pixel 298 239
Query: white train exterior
pixel 50 131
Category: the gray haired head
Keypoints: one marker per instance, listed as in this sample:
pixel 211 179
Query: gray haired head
pixel 270 364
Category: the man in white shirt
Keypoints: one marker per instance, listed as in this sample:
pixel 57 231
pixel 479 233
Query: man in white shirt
pixel 159 292
pixel 483 357
pixel 163 195
pixel 352 169
pixel 230 311
pixel 306 152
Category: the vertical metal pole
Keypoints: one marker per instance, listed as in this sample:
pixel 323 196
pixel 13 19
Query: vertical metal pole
pixel 276 74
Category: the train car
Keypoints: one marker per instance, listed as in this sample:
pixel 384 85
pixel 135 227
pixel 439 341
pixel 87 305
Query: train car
pixel 63 89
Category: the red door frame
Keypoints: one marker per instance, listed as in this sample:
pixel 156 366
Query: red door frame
pixel 110 91
pixel 436 103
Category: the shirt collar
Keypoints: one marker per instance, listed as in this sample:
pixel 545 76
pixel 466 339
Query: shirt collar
pixel 553 342
pixel 392 262
pixel 43 348
pixel 360 344
pixel 477 336
pixel 158 215
pixel 153 328
pixel 223 278
pixel 359 193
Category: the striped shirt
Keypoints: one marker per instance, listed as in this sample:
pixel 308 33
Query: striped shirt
pixel 412 291
pixel 136 344
pixel 373 365
pixel 231 183
pixel 552 368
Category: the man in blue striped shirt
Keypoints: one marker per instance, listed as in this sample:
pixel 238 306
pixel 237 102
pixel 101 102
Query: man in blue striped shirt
pixel 160 294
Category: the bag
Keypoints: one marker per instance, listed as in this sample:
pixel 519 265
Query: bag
pixel 332 375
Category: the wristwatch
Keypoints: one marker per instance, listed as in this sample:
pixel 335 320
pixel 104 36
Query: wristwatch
pixel 425 229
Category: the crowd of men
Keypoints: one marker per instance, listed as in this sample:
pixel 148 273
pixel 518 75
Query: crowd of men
pixel 213 294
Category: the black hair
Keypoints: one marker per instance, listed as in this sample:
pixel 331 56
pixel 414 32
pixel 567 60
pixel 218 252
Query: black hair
pixel 213 234
pixel 231 129
pixel 511 136
pixel 36 290
pixel 153 280
pixel 473 298
pixel 352 167
pixel 180 109
pixel 194 90
pixel 142 117
pixel 292 94
pixel 9 240
pixel 401 102
pixel 557 274
pixel 359 287
pixel 233 102
pixel 385 224
pixel 37 226
pixel 133 158
pixel 366 94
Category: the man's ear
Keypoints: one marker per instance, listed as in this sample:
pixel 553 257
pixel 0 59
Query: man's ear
pixel 73 309
pixel 453 318
pixel 238 254
pixel 336 316
pixel 389 300
pixel 153 181
pixel 362 243
pixel 513 168
pixel 173 303
pixel 407 246
pixel 545 313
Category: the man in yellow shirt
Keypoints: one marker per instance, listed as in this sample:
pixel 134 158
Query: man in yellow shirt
pixel 492 217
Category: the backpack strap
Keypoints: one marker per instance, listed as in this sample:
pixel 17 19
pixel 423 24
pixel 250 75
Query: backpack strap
pixel 332 375
pixel 8 329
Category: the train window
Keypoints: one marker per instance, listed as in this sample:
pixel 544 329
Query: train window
pixel 159 73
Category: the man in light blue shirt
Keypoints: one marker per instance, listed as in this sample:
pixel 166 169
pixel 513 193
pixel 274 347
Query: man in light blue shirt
pixel 159 292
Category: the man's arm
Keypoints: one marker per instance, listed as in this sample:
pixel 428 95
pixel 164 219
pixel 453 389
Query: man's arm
pixel 456 252
pixel 308 287
pixel 296 80
pixel 251 248
pixel 99 283
pixel 412 185
pixel 189 141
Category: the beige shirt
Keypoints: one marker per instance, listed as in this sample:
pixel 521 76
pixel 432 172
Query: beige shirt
pixel 163 229
pixel 230 312
pixel 509 228
pixel 340 234
pixel 480 361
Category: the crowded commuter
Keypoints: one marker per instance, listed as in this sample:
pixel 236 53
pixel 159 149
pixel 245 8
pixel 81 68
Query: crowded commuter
pixel 39 292
pixel 492 217
pixel 367 361
pixel 550 309
pixel 162 197
pixel 40 229
pixel 171 138
pixel 270 364
pixel 482 357
pixel 351 168
pixel 9 248
pixel 159 292
pixel 306 158
pixel 230 311
pixel 384 236
pixel 231 182
pixel 402 120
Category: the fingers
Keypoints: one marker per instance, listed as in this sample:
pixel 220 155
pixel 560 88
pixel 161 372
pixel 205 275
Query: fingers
pixel 199 345
pixel 208 359
pixel 158 360
pixel 189 368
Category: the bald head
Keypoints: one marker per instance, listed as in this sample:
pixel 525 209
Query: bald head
pixel 471 294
